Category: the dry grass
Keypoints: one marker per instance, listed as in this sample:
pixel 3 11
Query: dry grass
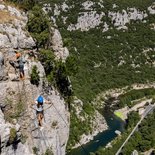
pixel 8 3
pixel 6 17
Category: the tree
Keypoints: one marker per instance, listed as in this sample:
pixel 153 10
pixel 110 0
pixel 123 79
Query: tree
pixel 133 118
pixel 47 59
pixel 35 78
pixel 38 25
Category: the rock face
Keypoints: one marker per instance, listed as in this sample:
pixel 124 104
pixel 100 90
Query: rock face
pixel 55 133
pixel 120 19
pixel 13 32
pixel 57 45
pixel 93 15
pixel 5 129
pixel 86 21
pixel 16 96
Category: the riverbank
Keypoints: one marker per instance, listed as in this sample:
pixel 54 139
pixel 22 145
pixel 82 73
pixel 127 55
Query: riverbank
pixel 98 125
pixel 140 107
pixel 102 138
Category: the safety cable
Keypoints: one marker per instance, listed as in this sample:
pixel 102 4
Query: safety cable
pixel 41 133
pixel 86 152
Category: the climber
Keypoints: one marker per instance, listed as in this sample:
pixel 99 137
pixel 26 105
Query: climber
pixel 21 62
pixel 39 108
pixel 41 100
pixel 18 63
pixel 39 113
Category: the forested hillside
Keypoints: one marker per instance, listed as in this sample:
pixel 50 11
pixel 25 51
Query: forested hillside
pixel 112 57
pixel 111 45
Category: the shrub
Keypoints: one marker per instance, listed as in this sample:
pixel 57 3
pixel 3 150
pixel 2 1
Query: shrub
pixel 49 151
pixel 35 78
pixel 13 135
pixel 35 150
pixel 54 124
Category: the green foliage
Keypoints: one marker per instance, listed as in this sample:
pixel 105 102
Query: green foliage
pixel 38 25
pixel 62 79
pixel 71 65
pixel 13 135
pixel 23 138
pixel 35 78
pixel 133 118
pixel 47 59
pixel 14 111
pixel 75 124
pixel 49 152
pixel 58 72
pixel 125 99
pixel 35 150
pixel 25 4
pixel 93 47
pixel 142 140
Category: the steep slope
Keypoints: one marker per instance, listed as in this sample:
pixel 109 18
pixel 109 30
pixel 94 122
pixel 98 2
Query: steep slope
pixel 19 130
pixel 113 42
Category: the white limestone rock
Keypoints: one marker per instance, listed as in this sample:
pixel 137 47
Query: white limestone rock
pixel 64 7
pixel 151 9
pixel 88 5
pixel 106 27
pixel 120 19
pixel 5 128
pixel 87 21
pixel 56 39
pixel 57 45
pixel 4 41
pixel 14 34
pixel 2 7
pixel 14 11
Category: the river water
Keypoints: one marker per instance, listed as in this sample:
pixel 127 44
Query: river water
pixel 102 139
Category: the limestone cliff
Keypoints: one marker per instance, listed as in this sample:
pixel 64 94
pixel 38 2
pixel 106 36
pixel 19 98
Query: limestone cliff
pixel 19 132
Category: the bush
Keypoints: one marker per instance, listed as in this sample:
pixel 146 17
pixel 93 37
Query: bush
pixel 35 78
pixel 49 151
pixel 13 135
pixel 47 59
pixel 35 150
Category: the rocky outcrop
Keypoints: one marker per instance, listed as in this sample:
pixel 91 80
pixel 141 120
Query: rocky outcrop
pixel 92 18
pixel 120 19
pixel 56 126
pixel 55 133
pixel 57 45
pixel 86 21
pixel 13 32
pixel 16 96
pixel 97 123
pixel 151 9
pixel 5 136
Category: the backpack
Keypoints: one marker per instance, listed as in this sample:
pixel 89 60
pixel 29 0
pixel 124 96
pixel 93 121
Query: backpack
pixel 40 99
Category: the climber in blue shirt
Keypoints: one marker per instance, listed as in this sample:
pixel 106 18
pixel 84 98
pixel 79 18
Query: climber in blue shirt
pixel 40 109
